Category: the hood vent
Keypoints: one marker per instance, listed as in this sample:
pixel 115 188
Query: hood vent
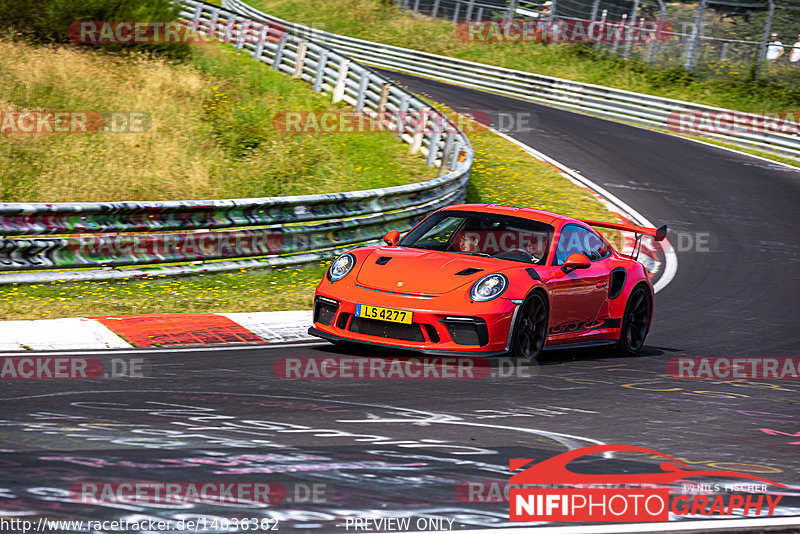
pixel 383 260
pixel 467 272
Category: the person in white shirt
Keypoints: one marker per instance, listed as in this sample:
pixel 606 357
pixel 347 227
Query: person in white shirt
pixel 774 48
pixel 794 55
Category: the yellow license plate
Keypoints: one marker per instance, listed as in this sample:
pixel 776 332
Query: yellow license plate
pixel 384 314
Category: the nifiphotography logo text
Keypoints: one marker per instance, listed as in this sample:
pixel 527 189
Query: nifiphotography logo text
pixel 639 497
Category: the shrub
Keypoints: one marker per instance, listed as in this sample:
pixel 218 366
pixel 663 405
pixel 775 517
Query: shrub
pixel 48 21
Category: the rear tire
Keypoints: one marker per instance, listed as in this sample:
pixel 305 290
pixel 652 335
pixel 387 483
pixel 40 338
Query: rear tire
pixel 635 322
pixel 530 332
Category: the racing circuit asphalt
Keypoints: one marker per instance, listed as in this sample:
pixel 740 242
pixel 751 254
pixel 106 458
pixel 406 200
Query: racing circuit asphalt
pixel 221 414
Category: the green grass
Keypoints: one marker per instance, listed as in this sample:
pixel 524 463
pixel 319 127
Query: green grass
pixel 282 289
pixel 718 85
pixel 212 133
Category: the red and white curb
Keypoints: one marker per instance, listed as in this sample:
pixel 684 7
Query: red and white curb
pixel 122 332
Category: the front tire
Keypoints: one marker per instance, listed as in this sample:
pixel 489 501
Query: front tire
pixel 635 322
pixel 530 332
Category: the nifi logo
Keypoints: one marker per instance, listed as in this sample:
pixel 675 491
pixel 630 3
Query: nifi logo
pixel 636 497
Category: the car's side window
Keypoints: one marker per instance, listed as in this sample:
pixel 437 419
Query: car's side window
pixel 578 239
pixel 597 249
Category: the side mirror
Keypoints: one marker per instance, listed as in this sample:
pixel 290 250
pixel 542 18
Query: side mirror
pixel 661 233
pixel 576 261
pixel 391 238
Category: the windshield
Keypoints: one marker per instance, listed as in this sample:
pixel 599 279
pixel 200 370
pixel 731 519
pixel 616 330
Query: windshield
pixel 483 234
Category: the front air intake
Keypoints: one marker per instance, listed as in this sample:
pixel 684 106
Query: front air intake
pixel 467 330
pixel 325 310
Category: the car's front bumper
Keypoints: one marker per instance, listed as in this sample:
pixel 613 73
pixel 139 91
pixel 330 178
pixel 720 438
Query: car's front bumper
pixel 430 352
pixel 441 325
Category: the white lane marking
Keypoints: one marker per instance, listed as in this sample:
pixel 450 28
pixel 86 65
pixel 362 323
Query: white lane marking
pixel 674 526
pixel 670 258
pixel 416 417
pixel 570 441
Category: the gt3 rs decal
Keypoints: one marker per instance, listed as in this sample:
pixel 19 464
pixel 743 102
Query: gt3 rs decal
pixel 585 324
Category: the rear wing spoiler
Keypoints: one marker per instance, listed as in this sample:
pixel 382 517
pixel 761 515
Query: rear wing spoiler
pixel 659 234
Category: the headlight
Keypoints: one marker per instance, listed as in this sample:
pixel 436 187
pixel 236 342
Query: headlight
pixel 489 287
pixel 341 266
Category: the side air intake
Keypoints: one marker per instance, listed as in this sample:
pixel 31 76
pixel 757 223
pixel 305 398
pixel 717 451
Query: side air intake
pixel 618 276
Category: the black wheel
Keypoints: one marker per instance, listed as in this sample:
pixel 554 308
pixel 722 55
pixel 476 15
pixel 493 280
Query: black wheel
pixel 635 322
pixel 530 331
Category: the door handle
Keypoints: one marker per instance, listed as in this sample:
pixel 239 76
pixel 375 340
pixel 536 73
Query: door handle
pixel 600 285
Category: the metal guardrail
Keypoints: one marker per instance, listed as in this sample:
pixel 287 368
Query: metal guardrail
pixel 148 249
pixel 625 106
pixel 264 231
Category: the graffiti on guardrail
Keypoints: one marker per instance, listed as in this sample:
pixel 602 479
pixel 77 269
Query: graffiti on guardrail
pixel 133 249
pixel 98 32
pixel 17 219
pixel 563 31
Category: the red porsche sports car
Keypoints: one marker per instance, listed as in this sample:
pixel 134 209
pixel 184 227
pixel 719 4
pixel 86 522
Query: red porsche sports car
pixel 489 280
